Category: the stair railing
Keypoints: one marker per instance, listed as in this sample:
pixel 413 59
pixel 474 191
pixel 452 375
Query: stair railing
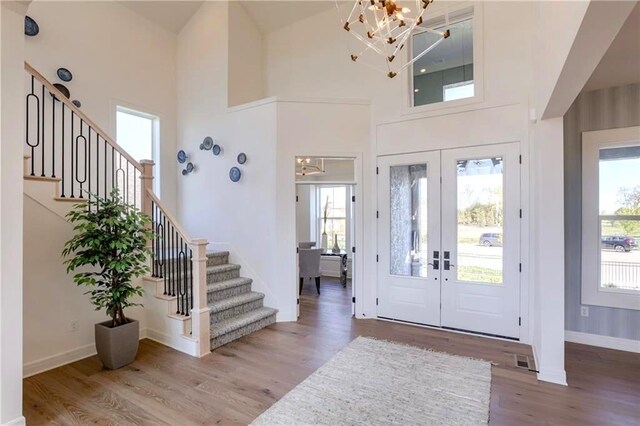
pixel 64 144
pixel 179 260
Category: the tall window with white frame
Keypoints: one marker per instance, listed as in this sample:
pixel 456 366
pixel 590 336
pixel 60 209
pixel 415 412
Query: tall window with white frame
pixel 446 72
pixel 138 133
pixel 332 214
pixel 611 218
pixel 619 210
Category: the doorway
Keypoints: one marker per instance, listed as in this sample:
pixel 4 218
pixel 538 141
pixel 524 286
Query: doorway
pixel 449 239
pixel 325 223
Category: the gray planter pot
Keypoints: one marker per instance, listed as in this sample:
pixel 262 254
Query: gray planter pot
pixel 117 346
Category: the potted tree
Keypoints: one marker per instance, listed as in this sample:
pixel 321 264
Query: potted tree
pixel 110 246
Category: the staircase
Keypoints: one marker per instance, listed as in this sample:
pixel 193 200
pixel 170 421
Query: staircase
pixel 235 310
pixel 199 301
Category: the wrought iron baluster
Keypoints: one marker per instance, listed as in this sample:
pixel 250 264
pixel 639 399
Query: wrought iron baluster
pixel 191 275
pixel 43 126
pixel 62 144
pixel 30 143
pixel 71 159
pixel 53 136
pixel 82 138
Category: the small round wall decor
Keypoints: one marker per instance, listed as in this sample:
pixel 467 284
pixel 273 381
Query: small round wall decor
pixel 64 74
pixel 77 103
pixel 63 89
pixel 235 174
pixel 182 156
pixel 242 158
pixel 207 143
pixel 31 27
pixel 188 169
pixel 216 149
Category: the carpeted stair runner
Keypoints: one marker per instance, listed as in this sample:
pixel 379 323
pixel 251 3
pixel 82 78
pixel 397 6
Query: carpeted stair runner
pixel 235 310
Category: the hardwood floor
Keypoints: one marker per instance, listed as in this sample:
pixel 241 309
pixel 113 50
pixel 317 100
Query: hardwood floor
pixel 239 381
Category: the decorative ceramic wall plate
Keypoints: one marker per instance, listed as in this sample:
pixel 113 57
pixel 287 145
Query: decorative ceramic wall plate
pixel 182 156
pixel 62 88
pixel 242 158
pixel 189 168
pixel 216 149
pixel 207 143
pixel 31 27
pixel 77 103
pixel 64 74
pixel 235 174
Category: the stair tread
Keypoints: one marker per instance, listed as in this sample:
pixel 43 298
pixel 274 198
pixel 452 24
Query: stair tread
pixel 232 302
pixel 217 253
pixel 232 324
pixel 223 285
pixel 222 268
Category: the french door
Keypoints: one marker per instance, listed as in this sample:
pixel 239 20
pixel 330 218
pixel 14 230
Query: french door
pixel 449 239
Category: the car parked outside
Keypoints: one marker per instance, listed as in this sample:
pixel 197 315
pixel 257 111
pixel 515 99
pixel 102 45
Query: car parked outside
pixel 491 239
pixel 618 243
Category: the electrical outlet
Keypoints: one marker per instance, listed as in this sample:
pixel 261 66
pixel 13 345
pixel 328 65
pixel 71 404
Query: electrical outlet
pixel 73 326
pixel 584 311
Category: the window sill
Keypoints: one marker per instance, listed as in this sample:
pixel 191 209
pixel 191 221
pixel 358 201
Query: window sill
pixel 611 299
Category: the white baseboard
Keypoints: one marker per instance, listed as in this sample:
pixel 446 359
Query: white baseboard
pixel 20 421
pixel 603 341
pixel 63 358
pixel 58 360
pixel 179 343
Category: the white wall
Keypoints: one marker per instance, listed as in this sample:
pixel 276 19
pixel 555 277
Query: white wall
pixel 330 128
pixel 246 80
pixel 116 57
pixel 51 299
pixel 239 216
pixel 11 135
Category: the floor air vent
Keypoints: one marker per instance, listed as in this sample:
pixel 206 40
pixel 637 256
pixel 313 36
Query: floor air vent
pixel 522 361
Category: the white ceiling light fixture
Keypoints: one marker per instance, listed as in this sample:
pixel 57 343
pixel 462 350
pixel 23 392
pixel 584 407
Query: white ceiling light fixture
pixel 384 27
pixel 305 167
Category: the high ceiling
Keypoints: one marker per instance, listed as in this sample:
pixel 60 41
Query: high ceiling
pixel 268 15
pixel 272 15
pixel 171 15
pixel 621 64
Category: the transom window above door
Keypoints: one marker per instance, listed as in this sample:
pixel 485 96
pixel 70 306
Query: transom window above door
pixel 445 73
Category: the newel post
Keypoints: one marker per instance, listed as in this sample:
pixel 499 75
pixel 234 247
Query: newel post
pixel 200 312
pixel 147 184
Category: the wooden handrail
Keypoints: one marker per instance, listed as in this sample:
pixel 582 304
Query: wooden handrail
pixel 190 241
pixel 62 98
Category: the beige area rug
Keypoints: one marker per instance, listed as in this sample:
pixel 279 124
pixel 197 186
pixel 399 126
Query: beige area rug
pixel 374 382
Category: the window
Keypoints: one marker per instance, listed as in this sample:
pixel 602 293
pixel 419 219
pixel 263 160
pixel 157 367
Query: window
pixel 137 132
pixel 611 218
pixel 445 73
pixel 333 201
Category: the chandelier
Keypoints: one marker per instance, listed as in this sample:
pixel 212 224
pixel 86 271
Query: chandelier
pixel 304 167
pixel 384 27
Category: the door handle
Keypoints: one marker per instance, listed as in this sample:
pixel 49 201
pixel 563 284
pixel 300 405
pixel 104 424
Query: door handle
pixel 447 265
pixel 435 264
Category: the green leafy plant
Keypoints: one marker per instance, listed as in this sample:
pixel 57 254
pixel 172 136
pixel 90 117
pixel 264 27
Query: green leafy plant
pixel 111 239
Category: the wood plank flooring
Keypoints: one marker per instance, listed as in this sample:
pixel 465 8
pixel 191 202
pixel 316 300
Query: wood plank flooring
pixel 239 381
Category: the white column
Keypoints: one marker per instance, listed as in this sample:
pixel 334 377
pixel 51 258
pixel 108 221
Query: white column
pixel 548 248
pixel 200 312
pixel 11 221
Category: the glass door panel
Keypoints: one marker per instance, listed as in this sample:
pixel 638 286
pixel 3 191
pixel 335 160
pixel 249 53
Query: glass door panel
pixel 480 220
pixel 408 208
